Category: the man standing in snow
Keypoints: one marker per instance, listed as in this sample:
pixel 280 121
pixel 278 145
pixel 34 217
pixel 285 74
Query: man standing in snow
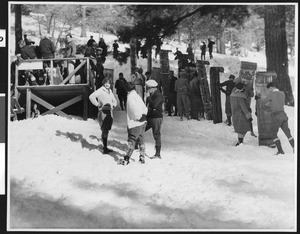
pixel 154 103
pixel 241 116
pixel 210 47
pixel 276 100
pixel 181 87
pixel 105 100
pixel 136 123
pixel 90 41
pixel 120 86
pixel 197 108
pixel 203 50
pixel 229 86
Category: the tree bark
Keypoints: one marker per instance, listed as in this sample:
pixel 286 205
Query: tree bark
pixel 83 24
pixel 18 27
pixel 132 55
pixel 276 48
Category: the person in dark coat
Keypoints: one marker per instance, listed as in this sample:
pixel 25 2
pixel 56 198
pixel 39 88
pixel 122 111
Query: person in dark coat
pixel 46 47
pixel 138 47
pixel 90 41
pixel 181 87
pixel 172 100
pixel 203 50
pixel 210 47
pixel 115 49
pixel 154 102
pixel 27 51
pixel 249 93
pixel 103 46
pixel 190 52
pixel 241 116
pixel 120 86
pixel 197 108
pixel 229 84
pixel 276 101
pixel 99 68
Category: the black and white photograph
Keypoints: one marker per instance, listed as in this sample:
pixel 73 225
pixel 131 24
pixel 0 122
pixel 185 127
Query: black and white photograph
pixel 140 116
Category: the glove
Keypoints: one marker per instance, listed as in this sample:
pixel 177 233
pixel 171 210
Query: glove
pixel 250 119
pixel 143 118
pixel 256 97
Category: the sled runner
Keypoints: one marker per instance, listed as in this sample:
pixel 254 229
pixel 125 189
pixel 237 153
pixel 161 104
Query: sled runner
pixel 216 94
pixel 204 88
pixel 263 112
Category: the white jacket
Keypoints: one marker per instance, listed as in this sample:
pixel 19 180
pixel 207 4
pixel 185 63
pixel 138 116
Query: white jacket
pixel 135 108
pixel 102 96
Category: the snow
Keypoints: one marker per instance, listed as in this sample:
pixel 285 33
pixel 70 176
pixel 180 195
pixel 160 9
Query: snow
pixel 59 178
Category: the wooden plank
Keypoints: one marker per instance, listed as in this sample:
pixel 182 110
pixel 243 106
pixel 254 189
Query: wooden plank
pixel 72 73
pixel 28 103
pixel 30 65
pixel 63 105
pixel 47 105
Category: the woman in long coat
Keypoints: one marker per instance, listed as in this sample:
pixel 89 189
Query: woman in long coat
pixel 241 116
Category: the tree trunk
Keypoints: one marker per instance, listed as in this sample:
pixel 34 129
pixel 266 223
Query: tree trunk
pixel 132 55
pixel 18 27
pixel 83 25
pixel 222 43
pixel 276 48
pixel 149 59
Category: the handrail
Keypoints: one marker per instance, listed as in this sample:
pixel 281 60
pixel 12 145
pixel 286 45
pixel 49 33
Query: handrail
pixel 85 62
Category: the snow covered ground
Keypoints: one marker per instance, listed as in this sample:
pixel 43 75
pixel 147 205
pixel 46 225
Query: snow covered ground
pixel 59 178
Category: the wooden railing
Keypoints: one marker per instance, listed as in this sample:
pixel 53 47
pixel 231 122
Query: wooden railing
pixel 37 64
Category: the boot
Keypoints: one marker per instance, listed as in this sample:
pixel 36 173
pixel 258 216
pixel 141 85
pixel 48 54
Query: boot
pixel 279 148
pixel 125 161
pixel 142 159
pixel 157 153
pixel 105 149
pixel 240 140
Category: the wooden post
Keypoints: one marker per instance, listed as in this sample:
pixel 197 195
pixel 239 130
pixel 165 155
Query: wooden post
pixel 204 88
pixel 28 103
pixel 85 103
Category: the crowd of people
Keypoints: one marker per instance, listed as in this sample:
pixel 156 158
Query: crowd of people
pixel 141 97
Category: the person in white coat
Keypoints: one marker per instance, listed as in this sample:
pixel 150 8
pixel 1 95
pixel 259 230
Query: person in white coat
pixel 104 99
pixel 136 123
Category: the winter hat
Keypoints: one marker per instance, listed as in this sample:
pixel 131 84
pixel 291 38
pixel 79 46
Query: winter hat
pixel 231 76
pixel 151 83
pixel 239 87
pixel 130 86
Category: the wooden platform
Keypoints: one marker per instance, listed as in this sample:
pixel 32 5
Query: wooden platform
pixel 56 97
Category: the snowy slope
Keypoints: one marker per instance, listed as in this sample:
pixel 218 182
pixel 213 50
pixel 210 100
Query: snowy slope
pixel 59 178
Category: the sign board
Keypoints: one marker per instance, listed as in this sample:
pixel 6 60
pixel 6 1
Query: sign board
pixel 30 65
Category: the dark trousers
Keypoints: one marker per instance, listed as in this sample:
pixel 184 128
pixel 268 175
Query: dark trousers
pixel 172 101
pixel 196 105
pixel 155 124
pixel 105 122
pixel 122 100
pixel 280 120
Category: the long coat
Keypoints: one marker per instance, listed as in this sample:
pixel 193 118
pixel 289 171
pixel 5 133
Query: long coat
pixel 239 111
